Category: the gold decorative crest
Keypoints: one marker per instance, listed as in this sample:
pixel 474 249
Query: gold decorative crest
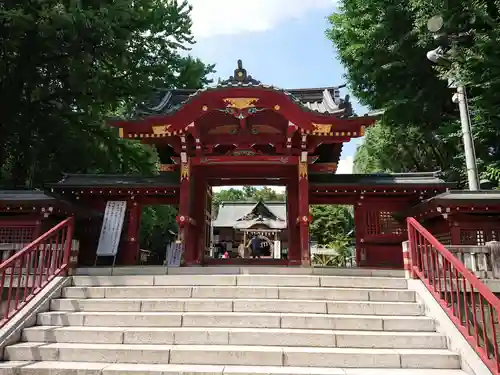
pixel 331 167
pixel 240 103
pixel 185 171
pixel 303 170
pixel 321 128
pixel 161 129
pixel 167 167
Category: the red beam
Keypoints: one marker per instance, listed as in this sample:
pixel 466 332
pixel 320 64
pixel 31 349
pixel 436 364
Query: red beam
pixel 323 167
pixel 255 161
pixel 367 189
pixel 121 191
pixel 250 172
pixel 230 139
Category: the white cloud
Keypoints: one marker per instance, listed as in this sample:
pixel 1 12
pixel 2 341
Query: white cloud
pixel 346 165
pixel 229 17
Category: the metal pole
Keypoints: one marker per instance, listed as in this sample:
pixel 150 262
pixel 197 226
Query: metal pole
pixel 470 154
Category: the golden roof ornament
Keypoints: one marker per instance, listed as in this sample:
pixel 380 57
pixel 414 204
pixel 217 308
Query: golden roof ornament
pixel 240 77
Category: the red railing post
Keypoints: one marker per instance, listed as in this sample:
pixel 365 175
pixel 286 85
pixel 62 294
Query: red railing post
pixel 35 266
pixel 451 284
pixel 68 242
pixel 411 252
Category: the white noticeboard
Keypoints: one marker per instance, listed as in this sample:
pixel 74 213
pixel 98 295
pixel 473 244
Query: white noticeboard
pixel 111 230
pixel 174 253
pixel 277 249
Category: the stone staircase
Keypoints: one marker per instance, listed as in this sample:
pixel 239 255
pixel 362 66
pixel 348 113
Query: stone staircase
pixel 233 325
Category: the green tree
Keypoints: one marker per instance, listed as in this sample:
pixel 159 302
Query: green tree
pixel 158 228
pixel 65 67
pixel 330 222
pixel 383 44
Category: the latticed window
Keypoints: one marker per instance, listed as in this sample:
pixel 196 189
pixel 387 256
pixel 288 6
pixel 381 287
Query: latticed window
pixel 444 238
pixel 478 237
pixel 389 225
pixel 382 223
pixel 16 234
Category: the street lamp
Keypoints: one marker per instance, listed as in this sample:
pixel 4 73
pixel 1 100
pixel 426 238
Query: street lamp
pixel 438 56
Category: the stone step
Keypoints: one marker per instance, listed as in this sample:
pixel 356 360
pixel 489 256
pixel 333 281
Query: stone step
pixel 244 280
pixel 235 270
pixel 231 319
pixel 236 336
pixel 235 355
pixel 94 368
pixel 233 292
pixel 238 305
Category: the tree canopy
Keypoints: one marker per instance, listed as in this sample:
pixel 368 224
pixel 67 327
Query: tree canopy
pixel 383 45
pixel 66 67
pixel 331 223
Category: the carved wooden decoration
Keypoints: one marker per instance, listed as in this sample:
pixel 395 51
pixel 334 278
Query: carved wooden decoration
pixel 240 103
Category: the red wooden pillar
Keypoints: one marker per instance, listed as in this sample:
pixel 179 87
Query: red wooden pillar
pixel 132 244
pixel 184 219
pixel 303 217
pixel 199 216
pixel 359 225
pixel 292 213
pixel 455 233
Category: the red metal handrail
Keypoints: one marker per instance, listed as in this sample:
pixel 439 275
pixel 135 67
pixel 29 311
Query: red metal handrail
pixel 471 306
pixel 27 272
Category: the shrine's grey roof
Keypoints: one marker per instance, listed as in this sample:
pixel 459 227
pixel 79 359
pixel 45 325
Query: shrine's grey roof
pixel 381 179
pixel 25 196
pixel 467 196
pixel 325 100
pixel 231 214
pixel 168 179
pixel 39 198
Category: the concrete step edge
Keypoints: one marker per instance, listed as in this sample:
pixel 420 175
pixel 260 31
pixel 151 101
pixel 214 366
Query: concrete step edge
pixel 126 369
pixel 237 313
pixel 239 330
pixel 156 347
pixel 270 300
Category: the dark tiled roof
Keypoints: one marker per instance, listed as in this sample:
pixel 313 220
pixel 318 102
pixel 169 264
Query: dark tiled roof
pixel 94 180
pixel 322 100
pixel 474 199
pixel 231 212
pixel 467 196
pixel 25 196
pixel 39 198
pixel 423 178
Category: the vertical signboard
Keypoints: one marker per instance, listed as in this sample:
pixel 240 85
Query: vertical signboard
pixel 277 249
pixel 111 230
pixel 174 254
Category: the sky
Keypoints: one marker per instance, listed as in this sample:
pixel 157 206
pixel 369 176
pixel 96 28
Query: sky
pixel 281 43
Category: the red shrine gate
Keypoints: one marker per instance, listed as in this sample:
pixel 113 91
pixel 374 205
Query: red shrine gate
pixel 245 133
